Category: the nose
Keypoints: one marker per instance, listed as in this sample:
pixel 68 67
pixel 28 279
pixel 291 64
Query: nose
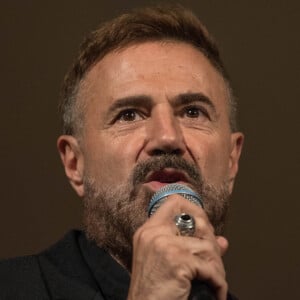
pixel 164 134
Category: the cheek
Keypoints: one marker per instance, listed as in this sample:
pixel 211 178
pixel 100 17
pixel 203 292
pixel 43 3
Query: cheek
pixel 113 157
pixel 212 156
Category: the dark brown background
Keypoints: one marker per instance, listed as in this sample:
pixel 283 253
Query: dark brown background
pixel 260 45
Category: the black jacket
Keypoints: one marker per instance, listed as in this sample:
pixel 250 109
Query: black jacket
pixel 72 269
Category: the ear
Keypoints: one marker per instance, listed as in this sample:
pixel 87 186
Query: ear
pixel 72 159
pixel 237 140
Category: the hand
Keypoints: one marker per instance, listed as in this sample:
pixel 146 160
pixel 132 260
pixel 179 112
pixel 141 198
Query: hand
pixel 164 263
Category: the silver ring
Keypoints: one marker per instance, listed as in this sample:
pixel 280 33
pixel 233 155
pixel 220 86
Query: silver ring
pixel 185 224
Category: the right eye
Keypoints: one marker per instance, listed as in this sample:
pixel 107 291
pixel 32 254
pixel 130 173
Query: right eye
pixel 129 115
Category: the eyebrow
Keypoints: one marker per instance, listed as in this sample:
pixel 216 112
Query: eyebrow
pixel 188 98
pixel 143 100
pixel 147 101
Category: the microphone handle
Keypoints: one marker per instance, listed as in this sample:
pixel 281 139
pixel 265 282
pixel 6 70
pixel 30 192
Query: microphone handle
pixel 201 291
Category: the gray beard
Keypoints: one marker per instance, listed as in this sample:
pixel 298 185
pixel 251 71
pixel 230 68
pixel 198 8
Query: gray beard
pixel 112 214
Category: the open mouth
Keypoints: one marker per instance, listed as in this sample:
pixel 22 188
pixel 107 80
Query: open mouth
pixel 157 179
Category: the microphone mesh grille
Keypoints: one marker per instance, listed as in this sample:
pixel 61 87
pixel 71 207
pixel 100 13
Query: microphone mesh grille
pixel 175 188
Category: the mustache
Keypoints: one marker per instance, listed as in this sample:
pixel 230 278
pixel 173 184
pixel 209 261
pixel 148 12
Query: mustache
pixel 158 163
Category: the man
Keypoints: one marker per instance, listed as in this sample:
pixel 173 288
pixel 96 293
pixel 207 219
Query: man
pixel 147 103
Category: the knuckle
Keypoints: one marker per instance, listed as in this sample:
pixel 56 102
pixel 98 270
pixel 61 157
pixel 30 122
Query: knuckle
pixel 208 247
pixel 142 235
pixel 172 253
pixel 159 242
pixel 201 224
pixel 182 274
pixel 203 227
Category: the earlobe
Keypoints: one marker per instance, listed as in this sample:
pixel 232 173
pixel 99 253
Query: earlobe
pixel 237 140
pixel 72 159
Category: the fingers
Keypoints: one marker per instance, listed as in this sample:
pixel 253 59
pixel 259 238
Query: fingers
pixel 210 268
pixel 175 205
pixel 223 244
pixel 180 259
pixel 162 255
pixel 213 274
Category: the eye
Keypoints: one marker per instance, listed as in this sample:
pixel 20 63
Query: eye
pixel 195 112
pixel 129 115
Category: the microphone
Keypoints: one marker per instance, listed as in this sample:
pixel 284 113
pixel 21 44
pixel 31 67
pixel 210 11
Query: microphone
pixel 174 188
pixel 199 290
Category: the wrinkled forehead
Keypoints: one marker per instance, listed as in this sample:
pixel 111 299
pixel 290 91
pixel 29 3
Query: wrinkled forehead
pixel 148 56
pixel 152 67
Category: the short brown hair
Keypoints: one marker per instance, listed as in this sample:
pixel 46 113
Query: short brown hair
pixel 147 24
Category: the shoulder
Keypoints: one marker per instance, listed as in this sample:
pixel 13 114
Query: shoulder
pixel 59 272
pixel 30 277
pixel 21 276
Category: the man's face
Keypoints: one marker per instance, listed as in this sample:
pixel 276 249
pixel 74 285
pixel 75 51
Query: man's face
pixel 152 98
pixel 143 102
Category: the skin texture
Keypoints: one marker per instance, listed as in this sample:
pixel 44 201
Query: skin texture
pixel 142 101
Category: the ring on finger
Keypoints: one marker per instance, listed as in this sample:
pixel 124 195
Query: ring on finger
pixel 185 224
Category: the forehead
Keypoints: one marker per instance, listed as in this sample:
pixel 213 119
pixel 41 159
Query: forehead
pixel 156 69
